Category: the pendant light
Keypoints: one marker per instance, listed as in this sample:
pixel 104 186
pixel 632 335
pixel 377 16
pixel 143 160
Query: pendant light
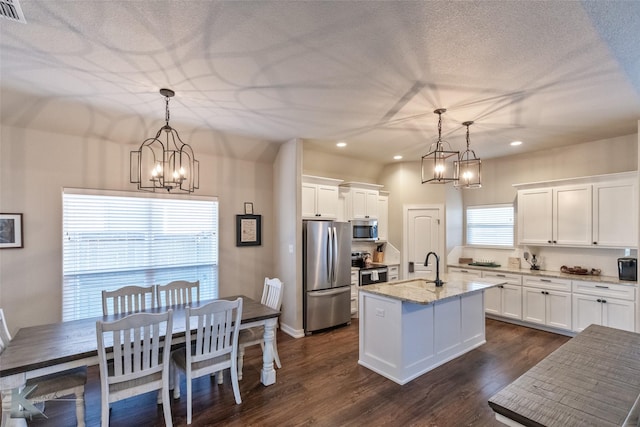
pixel 438 166
pixel 468 167
pixel 169 165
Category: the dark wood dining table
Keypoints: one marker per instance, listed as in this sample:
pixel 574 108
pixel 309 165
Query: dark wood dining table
pixel 45 349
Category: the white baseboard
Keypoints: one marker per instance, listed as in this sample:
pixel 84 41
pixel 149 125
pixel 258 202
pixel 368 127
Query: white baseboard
pixel 295 333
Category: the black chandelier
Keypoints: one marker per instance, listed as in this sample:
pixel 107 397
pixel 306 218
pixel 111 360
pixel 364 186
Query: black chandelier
pixel 168 165
pixel 437 167
pixel 468 167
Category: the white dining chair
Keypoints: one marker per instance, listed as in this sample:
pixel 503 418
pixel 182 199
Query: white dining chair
pixel 140 364
pixel 271 297
pixel 52 386
pixel 128 299
pixel 212 331
pixel 178 292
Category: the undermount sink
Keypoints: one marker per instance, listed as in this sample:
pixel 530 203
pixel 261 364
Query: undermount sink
pixel 418 284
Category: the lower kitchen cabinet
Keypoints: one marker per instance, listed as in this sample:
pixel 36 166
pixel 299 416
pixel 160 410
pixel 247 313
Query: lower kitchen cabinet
pixel 354 293
pixel 603 304
pixel 393 272
pixel 547 302
pixel 504 300
pixel 465 273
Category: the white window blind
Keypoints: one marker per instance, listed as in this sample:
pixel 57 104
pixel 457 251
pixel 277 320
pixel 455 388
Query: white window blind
pixel 490 225
pixel 111 240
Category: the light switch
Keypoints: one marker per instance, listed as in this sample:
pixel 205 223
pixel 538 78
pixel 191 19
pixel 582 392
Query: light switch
pixel 290 249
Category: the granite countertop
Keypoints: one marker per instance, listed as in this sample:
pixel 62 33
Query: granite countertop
pixel 421 291
pixel 547 273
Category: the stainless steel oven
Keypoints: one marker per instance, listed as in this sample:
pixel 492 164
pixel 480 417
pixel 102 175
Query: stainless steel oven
pixel 372 275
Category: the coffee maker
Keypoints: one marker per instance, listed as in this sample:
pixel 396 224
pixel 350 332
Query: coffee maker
pixel 628 269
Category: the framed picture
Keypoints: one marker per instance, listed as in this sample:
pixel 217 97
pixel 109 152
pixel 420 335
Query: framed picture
pixel 248 208
pixel 248 230
pixel 10 231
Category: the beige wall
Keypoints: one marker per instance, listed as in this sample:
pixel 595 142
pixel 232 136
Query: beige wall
pixel 36 165
pixel 339 167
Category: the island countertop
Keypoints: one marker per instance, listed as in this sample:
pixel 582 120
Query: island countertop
pixel 424 291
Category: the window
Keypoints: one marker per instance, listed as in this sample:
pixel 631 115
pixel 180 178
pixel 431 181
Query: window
pixel 490 225
pixel 115 239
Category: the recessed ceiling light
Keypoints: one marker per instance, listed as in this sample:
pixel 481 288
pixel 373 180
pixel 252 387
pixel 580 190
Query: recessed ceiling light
pixel 341 144
pixel 514 143
pixel 397 157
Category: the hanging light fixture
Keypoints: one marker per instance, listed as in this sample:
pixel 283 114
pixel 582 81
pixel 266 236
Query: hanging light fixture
pixel 438 167
pixel 468 167
pixel 168 165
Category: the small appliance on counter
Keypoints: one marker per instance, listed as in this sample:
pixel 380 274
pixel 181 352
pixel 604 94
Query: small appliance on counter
pixel 533 263
pixel 628 269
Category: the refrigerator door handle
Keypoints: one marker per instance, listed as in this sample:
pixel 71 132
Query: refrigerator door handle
pixel 334 280
pixel 334 291
pixel 329 256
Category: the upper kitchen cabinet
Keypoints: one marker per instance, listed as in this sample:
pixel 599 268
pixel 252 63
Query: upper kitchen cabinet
pixel 594 211
pixel 361 200
pixel 383 216
pixel 320 198
pixel 615 213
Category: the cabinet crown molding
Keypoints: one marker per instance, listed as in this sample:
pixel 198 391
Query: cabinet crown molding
pixel 364 185
pixel 578 180
pixel 311 179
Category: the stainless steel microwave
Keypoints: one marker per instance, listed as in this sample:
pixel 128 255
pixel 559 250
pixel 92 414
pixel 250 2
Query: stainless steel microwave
pixel 364 230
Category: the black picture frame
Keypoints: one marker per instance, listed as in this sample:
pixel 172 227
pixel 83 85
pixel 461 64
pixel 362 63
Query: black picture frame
pixel 11 234
pixel 248 208
pixel 248 230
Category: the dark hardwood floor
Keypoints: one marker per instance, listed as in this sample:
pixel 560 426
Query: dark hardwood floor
pixel 321 384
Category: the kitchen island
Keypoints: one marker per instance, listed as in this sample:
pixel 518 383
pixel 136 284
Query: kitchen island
pixel 410 327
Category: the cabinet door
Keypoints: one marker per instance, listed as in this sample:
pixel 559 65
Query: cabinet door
pixel 372 204
pixel 586 311
pixel 558 306
pixel 383 218
pixel 572 213
pixel 535 216
pixel 512 301
pixel 493 301
pixel 618 314
pixel 358 203
pixel 615 214
pixel 309 197
pixel 327 202
pixel 533 305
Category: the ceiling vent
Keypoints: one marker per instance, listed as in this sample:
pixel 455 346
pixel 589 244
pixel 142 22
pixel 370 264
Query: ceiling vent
pixel 11 9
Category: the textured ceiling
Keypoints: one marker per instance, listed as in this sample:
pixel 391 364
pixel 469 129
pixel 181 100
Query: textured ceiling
pixel 370 73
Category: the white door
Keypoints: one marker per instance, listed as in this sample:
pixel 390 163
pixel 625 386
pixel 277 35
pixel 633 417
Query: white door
pixel 424 233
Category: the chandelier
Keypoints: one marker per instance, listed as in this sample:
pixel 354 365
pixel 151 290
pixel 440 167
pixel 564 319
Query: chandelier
pixel 467 170
pixel 169 165
pixel 437 167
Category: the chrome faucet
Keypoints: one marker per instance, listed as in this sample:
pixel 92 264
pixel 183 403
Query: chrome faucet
pixel 437 282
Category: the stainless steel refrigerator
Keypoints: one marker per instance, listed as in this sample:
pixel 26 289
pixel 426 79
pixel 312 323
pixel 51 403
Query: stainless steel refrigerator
pixel 326 274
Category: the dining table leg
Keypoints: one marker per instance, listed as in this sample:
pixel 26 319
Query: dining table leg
pixel 7 386
pixel 268 373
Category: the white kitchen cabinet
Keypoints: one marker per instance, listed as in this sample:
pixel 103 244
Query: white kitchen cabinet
pixel 615 213
pixel 547 301
pixel 558 216
pixel 383 216
pixel 393 272
pixel 354 293
pixel 362 200
pixel 589 211
pixel 504 300
pixel 320 198
pixel 603 304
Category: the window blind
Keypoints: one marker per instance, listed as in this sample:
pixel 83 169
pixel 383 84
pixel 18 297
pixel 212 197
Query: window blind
pixel 490 225
pixel 111 240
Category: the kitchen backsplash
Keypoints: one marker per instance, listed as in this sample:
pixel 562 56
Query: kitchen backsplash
pixel 550 258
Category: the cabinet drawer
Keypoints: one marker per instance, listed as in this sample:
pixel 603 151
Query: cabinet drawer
pixel 547 283
pixel 466 272
pixel 627 292
pixel 512 279
pixel 354 278
pixel 393 270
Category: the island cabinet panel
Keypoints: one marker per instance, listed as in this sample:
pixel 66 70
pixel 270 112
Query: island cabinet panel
pixel 402 340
